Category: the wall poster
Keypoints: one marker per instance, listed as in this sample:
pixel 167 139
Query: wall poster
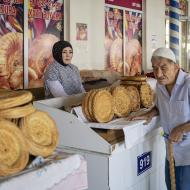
pixel 133 43
pixel 11 44
pixel 113 39
pixel 123 40
pixel 45 27
pixel 81 31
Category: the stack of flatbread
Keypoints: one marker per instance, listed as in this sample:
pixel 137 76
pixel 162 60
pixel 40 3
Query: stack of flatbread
pixel 136 81
pixel 103 104
pixel 145 91
pixel 97 106
pixel 23 131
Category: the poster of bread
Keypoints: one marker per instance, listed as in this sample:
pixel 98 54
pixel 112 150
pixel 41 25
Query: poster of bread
pixel 113 39
pixel 11 44
pixel 123 36
pixel 44 20
pixel 133 43
pixel 45 27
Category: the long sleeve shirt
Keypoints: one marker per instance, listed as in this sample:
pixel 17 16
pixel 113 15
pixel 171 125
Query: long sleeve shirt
pixel 62 80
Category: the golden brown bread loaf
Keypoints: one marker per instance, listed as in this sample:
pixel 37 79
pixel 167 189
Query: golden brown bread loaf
pixel 135 98
pixel 40 132
pixel 10 99
pixel 139 78
pixel 97 106
pixel 146 95
pixel 122 101
pixel 85 106
pixel 17 112
pixel 14 151
pixel 102 106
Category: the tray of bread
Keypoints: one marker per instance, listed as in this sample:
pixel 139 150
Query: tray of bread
pixel 103 105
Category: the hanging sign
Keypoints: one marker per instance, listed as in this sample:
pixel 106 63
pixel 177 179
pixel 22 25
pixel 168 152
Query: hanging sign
pixel 131 4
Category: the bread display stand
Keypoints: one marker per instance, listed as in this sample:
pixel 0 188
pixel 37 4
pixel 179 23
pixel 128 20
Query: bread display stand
pixel 130 157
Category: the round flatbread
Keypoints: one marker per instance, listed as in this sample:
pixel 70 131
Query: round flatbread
pixel 102 106
pixel 85 106
pixel 17 112
pixel 137 84
pixel 139 78
pixel 146 95
pixel 90 104
pixel 40 132
pixel 10 99
pixel 122 101
pixel 14 152
pixel 135 98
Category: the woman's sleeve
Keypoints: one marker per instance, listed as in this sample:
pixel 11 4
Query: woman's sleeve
pixel 56 88
pixel 79 78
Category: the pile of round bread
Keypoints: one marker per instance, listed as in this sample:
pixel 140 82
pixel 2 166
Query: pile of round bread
pixel 24 131
pixel 101 105
pixel 145 91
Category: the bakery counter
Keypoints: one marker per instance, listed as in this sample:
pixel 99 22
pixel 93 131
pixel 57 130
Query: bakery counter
pixel 121 155
pixel 64 171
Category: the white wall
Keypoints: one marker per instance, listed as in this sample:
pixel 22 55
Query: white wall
pixel 155 29
pixel 87 54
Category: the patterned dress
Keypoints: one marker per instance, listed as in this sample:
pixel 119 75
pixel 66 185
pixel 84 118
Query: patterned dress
pixel 68 76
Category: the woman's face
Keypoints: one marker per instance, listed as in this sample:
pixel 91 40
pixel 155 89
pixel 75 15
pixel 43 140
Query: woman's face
pixel 67 54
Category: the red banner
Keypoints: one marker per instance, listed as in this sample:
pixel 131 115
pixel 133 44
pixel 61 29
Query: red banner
pixel 131 4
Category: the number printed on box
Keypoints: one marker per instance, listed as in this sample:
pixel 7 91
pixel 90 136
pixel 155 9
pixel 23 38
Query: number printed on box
pixel 144 162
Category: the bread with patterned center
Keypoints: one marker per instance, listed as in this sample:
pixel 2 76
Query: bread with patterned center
pixel 102 106
pixel 40 132
pixel 135 98
pixel 146 95
pixel 122 101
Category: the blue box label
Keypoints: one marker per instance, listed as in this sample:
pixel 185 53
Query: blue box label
pixel 144 162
